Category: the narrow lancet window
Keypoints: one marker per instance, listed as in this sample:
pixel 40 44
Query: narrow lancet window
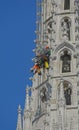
pixel 66 62
pixel 67 93
pixel 66 4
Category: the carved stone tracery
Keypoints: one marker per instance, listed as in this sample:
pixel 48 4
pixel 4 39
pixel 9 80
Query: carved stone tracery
pixel 65 25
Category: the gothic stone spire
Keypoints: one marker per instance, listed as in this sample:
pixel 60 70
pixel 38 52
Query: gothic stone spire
pixel 19 121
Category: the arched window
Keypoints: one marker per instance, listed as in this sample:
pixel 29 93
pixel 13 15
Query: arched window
pixel 66 62
pixel 66 4
pixel 67 92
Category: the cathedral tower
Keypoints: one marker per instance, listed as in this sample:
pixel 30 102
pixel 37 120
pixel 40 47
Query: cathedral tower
pixel 54 100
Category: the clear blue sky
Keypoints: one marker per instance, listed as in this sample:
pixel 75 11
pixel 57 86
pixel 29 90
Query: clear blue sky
pixel 17 26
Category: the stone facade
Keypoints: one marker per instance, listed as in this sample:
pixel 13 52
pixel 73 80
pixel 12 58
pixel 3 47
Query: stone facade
pixel 54 100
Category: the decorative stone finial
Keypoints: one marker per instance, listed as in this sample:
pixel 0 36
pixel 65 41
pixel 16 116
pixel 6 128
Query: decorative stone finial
pixel 27 98
pixel 19 109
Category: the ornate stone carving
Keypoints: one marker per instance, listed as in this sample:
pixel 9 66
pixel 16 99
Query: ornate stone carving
pixel 65 24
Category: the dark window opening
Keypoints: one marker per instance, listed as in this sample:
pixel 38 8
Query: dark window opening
pixel 66 4
pixel 68 27
pixel 66 62
pixel 43 93
pixel 67 93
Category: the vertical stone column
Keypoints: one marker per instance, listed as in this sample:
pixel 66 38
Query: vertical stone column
pixel 76 4
pixel 77 41
pixel 53 31
pixel 61 108
pixel 76 20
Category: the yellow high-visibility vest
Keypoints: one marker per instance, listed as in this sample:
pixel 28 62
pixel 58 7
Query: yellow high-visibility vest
pixel 46 64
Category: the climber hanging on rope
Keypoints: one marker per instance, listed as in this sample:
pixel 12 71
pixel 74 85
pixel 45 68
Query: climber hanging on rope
pixel 36 69
pixel 42 61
